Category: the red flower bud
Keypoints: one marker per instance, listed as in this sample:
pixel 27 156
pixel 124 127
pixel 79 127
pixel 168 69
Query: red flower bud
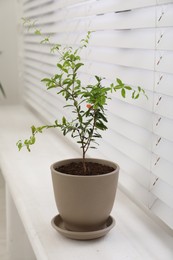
pixel 88 105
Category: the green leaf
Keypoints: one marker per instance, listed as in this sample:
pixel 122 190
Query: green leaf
pixel 37 32
pixel 96 135
pixel 143 91
pixel 123 93
pixel 59 66
pixel 139 89
pixel 55 48
pixel 32 140
pixel 100 126
pixel 67 81
pixel 45 40
pixel 68 106
pixel 33 129
pixel 103 117
pixel 118 87
pixel 77 66
pixel 66 64
pixel 98 78
pixel 119 82
pixel 62 68
pixel 19 145
pixel 56 123
pixel 80 118
pixel 64 120
pixel 72 57
pixel 52 86
pixel 45 80
pixel 133 94
pixel 77 57
pixel 136 97
pixel 128 87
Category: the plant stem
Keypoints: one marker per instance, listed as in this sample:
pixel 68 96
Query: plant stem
pixel 84 162
pixel 86 146
pixel 91 134
pixel 81 136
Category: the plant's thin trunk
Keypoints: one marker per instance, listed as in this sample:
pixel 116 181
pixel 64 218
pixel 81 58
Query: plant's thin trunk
pixel 84 163
pixel 86 146
pixel 89 138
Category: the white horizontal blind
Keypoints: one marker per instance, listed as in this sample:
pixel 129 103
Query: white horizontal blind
pixel 132 40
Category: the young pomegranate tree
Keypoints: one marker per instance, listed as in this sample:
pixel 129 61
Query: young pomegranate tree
pixel 87 102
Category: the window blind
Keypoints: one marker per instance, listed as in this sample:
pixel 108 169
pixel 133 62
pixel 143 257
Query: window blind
pixel 131 40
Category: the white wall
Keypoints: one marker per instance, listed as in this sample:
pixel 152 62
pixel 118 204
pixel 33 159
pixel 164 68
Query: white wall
pixel 9 52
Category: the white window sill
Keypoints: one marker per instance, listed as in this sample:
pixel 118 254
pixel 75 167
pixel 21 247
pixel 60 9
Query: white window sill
pixel 31 204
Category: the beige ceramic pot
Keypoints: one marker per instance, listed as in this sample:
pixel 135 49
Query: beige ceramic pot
pixel 84 202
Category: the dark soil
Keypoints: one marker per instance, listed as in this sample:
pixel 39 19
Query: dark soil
pixel 76 168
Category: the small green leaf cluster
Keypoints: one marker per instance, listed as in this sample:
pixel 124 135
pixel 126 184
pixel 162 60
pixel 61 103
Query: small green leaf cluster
pixel 87 102
pixel 135 93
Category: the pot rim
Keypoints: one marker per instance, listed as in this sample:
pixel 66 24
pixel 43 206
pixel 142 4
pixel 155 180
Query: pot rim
pixel 98 160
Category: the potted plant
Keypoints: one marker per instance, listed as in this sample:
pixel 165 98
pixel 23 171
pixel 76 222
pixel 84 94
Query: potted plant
pixel 84 188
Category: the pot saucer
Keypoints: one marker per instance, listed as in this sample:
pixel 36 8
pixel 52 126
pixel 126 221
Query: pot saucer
pixel 58 224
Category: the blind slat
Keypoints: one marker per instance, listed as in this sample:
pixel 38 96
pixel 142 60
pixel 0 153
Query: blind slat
pixel 162 168
pixel 163 148
pixel 161 210
pixel 163 191
pixel 163 127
